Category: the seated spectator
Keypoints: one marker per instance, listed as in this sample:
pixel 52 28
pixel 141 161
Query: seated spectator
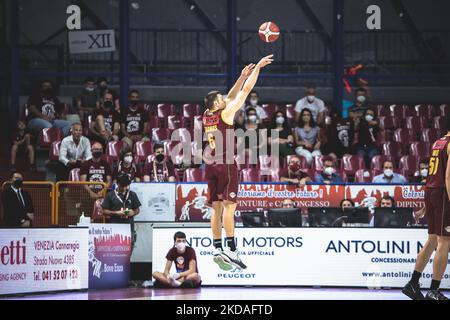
pixel 252 102
pixel 46 111
pixel 285 139
pixel 88 100
pixel 360 105
pixel 96 170
pixel 388 175
pixel 17 204
pixel 294 174
pixel 74 151
pixel 288 203
pixel 105 125
pixel 340 135
pixel 186 271
pixel 328 175
pixel 102 85
pixel 160 169
pixel 387 202
pixel 421 175
pixel 21 142
pixel 134 121
pixel 367 129
pixel 251 124
pixel 346 203
pixel 315 105
pixel 126 166
pixel 306 137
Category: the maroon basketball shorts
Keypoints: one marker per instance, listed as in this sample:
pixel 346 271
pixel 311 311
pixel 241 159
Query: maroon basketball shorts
pixel 222 182
pixel 437 211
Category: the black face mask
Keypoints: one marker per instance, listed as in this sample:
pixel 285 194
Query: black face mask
pixel 97 154
pixel 18 183
pixel 47 92
pixel 108 104
pixel 134 103
pixel 159 157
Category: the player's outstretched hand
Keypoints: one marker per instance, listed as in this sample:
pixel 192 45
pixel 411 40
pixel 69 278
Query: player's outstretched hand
pixel 265 61
pixel 247 71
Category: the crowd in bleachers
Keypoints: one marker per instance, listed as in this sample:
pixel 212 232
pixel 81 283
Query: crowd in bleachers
pixel 386 143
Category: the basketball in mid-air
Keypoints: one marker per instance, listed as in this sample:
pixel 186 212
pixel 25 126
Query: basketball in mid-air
pixel 269 32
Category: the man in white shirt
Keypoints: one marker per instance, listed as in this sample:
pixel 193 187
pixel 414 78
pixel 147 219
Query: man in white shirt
pixel 388 175
pixel 74 151
pixel 252 102
pixel 313 103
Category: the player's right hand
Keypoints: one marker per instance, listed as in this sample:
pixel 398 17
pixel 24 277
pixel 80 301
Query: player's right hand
pixel 265 61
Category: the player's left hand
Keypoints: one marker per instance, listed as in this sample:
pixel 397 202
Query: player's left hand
pixel 247 71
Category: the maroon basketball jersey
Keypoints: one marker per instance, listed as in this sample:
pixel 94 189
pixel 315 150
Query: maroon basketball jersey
pixel 438 163
pixel 214 125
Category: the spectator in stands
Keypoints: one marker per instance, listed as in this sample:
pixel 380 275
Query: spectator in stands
pixel 46 111
pixel 421 175
pixel 388 175
pixel 186 271
pixel 18 207
pixel 126 166
pixel 252 102
pixel 285 140
pixel 387 202
pixel 328 175
pixel 346 203
pixel 339 133
pixel 306 137
pixel 96 170
pixel 367 129
pixel 74 151
pixel 88 100
pixel 105 125
pixel 313 103
pixel 251 124
pixel 360 105
pixel 288 203
pixel 134 121
pixel 160 169
pixel 21 142
pixel 293 173
pixel 103 87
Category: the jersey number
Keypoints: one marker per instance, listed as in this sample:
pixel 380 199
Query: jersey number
pixel 212 141
pixel 434 163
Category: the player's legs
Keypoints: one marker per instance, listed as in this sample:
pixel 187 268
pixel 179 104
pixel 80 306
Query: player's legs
pixel 228 218
pixel 216 220
pixel 195 278
pixel 425 253
pixel 161 278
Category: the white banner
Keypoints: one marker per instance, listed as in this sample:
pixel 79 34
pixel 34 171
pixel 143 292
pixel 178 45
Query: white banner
pixel 357 257
pixel 157 199
pixel 91 41
pixel 37 260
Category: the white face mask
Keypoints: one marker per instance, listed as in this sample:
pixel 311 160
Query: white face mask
pixel 328 171
pixel 252 118
pixel 424 172
pixel 280 120
pixel 361 99
pixel 310 98
pixel 369 117
pixel 90 89
pixel 128 159
pixel 181 246
pixel 388 172
pixel 254 102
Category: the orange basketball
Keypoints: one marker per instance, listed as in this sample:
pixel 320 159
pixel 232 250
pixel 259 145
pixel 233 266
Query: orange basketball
pixel 269 32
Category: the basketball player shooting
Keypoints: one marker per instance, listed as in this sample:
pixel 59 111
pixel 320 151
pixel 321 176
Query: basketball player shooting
pixel 222 175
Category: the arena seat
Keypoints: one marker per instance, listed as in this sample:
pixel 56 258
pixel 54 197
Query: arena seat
pixel 416 123
pixel 389 122
pixel 359 176
pixel 393 149
pixel 267 163
pixel 382 111
pixel 444 110
pixel 142 149
pixel 250 175
pixel 427 111
pixel 405 137
pixel 430 135
pixel 54 150
pixel 351 163
pixel 190 110
pixel 439 123
pixel 400 111
pixel 153 122
pixel 160 134
pixel 317 163
pixel 377 161
pixel 194 175
pixel 165 110
pixel 48 135
pixel 408 165
pixel 270 109
pixel 114 148
pixel 174 122
pixel 74 174
pixel 420 149
pixel 198 123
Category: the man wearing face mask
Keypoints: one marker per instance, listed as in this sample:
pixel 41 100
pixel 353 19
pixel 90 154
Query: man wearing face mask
pixel 46 111
pixel 388 175
pixel 105 125
pixel 421 175
pixel 185 260
pixel 160 169
pixel 103 87
pixel 95 170
pixel 126 166
pixel 253 100
pixel 313 103
pixel 88 99
pixel 122 205
pixel 18 207
pixel 328 174
pixel 134 121
pixel 360 105
pixel 294 174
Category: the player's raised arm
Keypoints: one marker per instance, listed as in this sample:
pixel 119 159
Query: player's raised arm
pixel 233 105
pixel 246 72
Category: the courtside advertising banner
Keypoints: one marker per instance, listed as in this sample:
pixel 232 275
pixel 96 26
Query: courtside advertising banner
pixel 109 255
pixel 360 257
pixel 157 199
pixel 37 260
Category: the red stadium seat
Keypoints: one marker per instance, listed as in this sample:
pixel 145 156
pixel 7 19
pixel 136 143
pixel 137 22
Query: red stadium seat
pixel 393 149
pixel 420 149
pixel 351 163
pixel 408 165
pixel 250 175
pixel 243 160
pixel 377 161
pixel 48 135
pixel 303 161
pixel 444 110
pixel 427 111
pixel 270 109
pixel 359 176
pixel 383 136
pixel 54 150
pixel 179 156
pixel 165 110
pixel 267 163
pixel 142 149
pixel 74 174
pixel 160 134
pixel 114 148
pixel 153 122
pixel 405 136
pixel 317 163
pixel 401 111
pixel 97 212
pixel 182 134
pixel 389 123
pixel 274 176
pixel 439 124
pixel 382 111
pixel 174 122
pixel 190 110
pixel 197 152
pixel 430 135
pixel 290 111
pixel 416 123
pixel 194 175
